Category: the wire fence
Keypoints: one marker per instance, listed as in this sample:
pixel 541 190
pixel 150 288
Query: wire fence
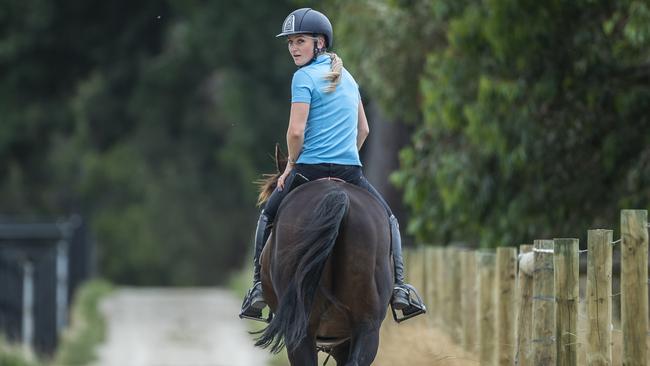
pixel 529 313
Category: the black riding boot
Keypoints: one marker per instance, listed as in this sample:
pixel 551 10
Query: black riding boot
pixel 402 299
pixel 254 301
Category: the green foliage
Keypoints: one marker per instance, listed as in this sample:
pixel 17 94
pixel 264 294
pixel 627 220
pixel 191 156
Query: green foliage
pixel 384 45
pixel 88 328
pixel 535 120
pixel 529 116
pixel 12 355
pixel 151 118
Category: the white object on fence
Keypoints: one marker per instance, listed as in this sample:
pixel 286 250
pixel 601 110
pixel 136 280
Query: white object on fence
pixel 526 262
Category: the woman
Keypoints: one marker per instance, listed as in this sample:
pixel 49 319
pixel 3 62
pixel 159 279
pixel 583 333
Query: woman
pixel 327 127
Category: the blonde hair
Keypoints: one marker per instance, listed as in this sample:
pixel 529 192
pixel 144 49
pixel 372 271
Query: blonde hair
pixel 334 76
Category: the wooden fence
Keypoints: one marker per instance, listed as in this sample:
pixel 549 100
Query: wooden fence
pixel 510 308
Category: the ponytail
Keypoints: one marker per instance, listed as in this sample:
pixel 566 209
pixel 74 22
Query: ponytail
pixel 334 76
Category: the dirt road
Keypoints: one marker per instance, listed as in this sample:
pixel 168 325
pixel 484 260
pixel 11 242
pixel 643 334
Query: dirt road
pixel 199 327
pixel 176 327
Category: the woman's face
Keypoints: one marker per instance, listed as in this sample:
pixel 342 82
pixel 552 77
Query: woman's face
pixel 301 48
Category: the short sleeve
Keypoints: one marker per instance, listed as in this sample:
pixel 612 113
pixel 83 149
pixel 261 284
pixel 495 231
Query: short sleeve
pixel 301 87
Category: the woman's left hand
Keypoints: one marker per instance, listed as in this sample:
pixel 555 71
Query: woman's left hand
pixel 284 176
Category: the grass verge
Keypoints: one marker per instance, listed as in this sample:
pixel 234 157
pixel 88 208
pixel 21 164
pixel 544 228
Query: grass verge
pixel 13 355
pixel 87 329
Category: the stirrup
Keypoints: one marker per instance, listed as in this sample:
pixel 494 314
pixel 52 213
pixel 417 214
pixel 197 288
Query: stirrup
pixel 253 314
pixel 416 305
pixel 249 312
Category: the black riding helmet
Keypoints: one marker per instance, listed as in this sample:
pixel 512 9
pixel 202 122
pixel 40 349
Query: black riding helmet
pixel 307 20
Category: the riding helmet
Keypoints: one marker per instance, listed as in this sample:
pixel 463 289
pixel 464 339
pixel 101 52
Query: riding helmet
pixel 307 20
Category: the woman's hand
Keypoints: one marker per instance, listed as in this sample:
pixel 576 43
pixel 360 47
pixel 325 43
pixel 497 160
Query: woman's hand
pixel 284 175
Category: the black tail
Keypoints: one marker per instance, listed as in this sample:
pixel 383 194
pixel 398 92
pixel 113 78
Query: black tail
pixel 289 324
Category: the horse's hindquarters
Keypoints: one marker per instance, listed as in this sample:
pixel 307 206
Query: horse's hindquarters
pixel 328 263
pixel 333 324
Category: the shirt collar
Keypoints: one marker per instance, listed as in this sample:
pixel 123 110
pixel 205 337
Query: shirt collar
pixel 321 59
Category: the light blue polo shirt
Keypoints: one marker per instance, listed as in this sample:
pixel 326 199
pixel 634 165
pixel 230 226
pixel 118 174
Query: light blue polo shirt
pixel 331 130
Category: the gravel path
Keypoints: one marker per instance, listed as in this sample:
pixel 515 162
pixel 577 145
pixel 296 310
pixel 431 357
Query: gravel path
pixel 176 327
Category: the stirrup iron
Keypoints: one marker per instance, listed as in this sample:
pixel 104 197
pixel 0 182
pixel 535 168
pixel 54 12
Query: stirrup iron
pixel 415 308
pixel 249 312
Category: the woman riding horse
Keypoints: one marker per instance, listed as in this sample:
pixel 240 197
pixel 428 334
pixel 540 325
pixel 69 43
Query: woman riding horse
pixel 327 127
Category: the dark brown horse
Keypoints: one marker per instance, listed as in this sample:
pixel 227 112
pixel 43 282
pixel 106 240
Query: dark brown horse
pixel 326 274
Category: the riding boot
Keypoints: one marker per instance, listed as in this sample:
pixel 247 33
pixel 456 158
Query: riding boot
pixel 402 299
pixel 254 301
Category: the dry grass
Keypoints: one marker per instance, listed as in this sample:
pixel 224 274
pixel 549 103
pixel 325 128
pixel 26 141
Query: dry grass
pixel 417 343
pixel 412 343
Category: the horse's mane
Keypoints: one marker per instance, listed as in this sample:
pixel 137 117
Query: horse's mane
pixel 268 182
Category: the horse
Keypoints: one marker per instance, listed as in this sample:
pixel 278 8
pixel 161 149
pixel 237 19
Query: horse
pixel 326 272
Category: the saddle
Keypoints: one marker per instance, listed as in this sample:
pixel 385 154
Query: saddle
pixel 300 179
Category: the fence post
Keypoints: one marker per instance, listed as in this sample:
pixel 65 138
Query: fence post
pixel 430 292
pixel 448 289
pixel 567 298
pixel 454 295
pixel 543 342
pixel 505 304
pixel 523 356
pixel 422 253
pixel 416 267
pixel 486 319
pixel 468 299
pixel 441 299
pixel 28 308
pixel 599 300
pixel 634 286
pixel 61 285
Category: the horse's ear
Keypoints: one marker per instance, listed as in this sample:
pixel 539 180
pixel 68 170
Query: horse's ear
pixel 280 159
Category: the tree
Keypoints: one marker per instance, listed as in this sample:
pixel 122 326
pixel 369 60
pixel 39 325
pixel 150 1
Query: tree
pixel 532 120
pixel 146 118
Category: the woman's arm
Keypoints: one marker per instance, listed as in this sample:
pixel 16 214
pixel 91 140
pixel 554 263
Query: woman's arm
pixel 296 130
pixel 295 136
pixel 362 126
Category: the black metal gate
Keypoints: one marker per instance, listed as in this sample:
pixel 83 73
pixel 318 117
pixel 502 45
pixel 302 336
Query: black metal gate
pixel 41 265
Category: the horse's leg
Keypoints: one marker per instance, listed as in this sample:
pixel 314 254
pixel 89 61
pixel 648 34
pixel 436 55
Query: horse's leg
pixel 364 345
pixel 305 354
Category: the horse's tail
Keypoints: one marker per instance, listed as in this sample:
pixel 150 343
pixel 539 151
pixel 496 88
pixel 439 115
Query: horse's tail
pixel 311 251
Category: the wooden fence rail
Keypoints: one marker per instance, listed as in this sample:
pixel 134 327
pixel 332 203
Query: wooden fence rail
pixel 510 309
